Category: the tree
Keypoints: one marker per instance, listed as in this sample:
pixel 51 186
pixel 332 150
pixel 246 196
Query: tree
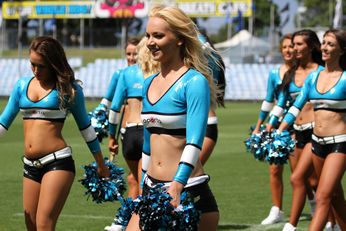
pixel 261 21
pixel 325 11
pixel 262 17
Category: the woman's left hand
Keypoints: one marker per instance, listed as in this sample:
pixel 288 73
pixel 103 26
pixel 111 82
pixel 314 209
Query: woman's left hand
pixel 102 169
pixel 175 190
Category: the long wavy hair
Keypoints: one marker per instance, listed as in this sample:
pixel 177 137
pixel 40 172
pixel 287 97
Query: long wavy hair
pixel 314 44
pixel 340 36
pixel 54 56
pixel 145 60
pixel 191 51
pixel 218 69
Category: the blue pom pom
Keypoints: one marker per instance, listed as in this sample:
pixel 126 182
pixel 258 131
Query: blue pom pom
pixel 101 189
pixel 281 146
pixel 99 121
pixel 157 213
pixel 271 147
pixel 258 144
pixel 124 213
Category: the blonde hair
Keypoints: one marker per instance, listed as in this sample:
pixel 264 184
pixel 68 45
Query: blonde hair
pixel 145 60
pixel 191 51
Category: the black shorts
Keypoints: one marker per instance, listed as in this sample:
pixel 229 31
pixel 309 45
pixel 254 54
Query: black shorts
pixel 303 137
pixel 203 197
pixel 133 143
pixel 36 174
pixel 323 150
pixel 212 132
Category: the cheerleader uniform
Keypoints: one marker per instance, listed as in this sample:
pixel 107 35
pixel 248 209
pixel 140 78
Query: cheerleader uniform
pixel 130 85
pixel 332 100
pixel 302 132
pixel 182 110
pixel 47 108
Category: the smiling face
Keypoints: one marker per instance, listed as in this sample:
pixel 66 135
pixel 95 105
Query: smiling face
pixel 38 65
pixel 162 42
pixel 131 54
pixel 287 50
pixel 301 48
pixel 331 51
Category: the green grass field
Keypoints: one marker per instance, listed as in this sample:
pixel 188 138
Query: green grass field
pixel 239 183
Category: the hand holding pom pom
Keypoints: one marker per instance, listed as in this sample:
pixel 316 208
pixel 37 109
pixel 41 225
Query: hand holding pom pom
pixel 99 121
pixel 104 189
pixel 281 146
pixel 157 213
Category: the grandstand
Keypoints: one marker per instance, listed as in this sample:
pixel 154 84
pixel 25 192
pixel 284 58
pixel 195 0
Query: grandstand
pixel 244 81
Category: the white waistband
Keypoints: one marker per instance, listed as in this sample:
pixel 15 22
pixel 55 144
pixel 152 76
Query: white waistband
pixel 128 125
pixel 60 154
pixel 329 139
pixel 212 120
pixel 191 181
pixel 303 127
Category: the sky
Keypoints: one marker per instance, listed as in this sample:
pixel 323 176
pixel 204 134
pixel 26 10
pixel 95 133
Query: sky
pixel 293 6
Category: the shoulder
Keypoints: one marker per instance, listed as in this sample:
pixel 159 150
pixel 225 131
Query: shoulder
pixel 148 80
pixel 23 82
pixel 320 68
pixel 343 76
pixel 133 67
pixel 76 85
pixel 194 75
pixel 133 70
pixel 193 79
pixel 274 73
pixel 312 76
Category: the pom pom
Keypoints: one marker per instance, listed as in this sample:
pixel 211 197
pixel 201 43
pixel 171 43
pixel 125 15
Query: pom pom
pixel 258 144
pixel 252 128
pixel 281 145
pixel 272 147
pixel 104 189
pixel 124 213
pixel 156 212
pixel 99 121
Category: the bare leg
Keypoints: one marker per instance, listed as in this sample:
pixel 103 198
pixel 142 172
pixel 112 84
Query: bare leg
pixel 31 193
pixel 209 221
pixel 133 179
pixel 133 223
pixel 329 190
pixel 299 181
pixel 55 187
pixel 276 184
pixel 133 186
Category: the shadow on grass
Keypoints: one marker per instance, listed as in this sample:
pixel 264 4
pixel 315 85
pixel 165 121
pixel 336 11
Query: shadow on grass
pixel 305 217
pixel 232 226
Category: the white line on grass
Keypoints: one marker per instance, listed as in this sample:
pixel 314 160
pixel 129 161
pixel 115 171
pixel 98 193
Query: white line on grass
pixel 76 216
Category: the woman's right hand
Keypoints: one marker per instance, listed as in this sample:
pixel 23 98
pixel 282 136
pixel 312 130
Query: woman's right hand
pixel 255 131
pixel 175 190
pixel 113 145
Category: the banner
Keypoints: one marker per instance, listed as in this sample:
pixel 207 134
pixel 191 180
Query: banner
pixel 121 8
pixel 222 8
pixel 48 9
